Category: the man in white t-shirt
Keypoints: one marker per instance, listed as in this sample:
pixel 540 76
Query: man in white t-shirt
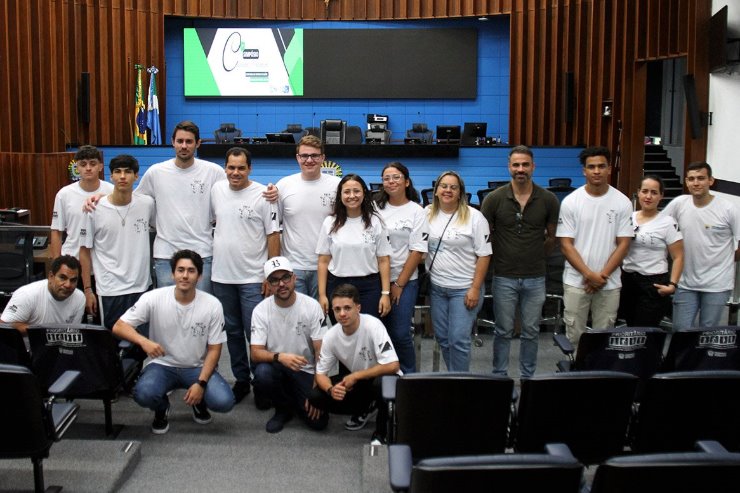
pixel 186 332
pixel 362 348
pixel 287 329
pixel 247 232
pixel 67 215
pixel 55 300
pixel 711 236
pixel 594 229
pixel 305 199
pixel 114 239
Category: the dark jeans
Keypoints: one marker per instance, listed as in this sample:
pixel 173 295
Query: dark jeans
pixel 368 286
pixel 113 307
pixel 399 323
pixel 639 303
pixel 288 390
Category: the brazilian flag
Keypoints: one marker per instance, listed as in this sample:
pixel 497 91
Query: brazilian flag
pixel 139 111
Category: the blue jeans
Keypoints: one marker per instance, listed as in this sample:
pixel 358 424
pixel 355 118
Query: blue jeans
pixel 156 380
pixel 526 295
pixel 163 272
pixel 453 324
pixel 288 391
pixel 399 323
pixel 688 303
pixel 307 282
pixel 238 301
pixel 114 306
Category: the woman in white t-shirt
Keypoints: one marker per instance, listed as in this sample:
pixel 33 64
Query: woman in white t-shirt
pixel 459 253
pixel 398 206
pixel 353 248
pixel 646 282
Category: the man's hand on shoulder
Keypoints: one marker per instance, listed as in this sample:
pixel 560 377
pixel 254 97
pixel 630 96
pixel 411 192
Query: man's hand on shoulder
pixel 89 204
pixel 271 193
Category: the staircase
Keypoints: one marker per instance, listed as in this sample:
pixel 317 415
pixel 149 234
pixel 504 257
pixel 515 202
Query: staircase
pixel 657 162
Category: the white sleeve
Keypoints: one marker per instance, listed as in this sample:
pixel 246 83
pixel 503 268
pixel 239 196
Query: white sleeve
pixel 270 218
pixel 87 231
pixel 58 222
pixel 481 235
pixel 382 243
pixel 259 327
pixel 384 351
pixel 626 228
pixel 216 333
pixel 19 308
pixel 146 187
pixel 567 220
pixel 327 360
pixel 322 246
pixel 735 224
pixel 418 240
pixel 140 312
pixel 672 233
pixel 318 322
pixel 670 209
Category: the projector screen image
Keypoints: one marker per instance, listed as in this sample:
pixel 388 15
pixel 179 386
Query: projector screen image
pixel 243 62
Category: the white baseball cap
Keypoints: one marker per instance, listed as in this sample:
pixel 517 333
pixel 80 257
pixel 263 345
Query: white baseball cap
pixel 277 263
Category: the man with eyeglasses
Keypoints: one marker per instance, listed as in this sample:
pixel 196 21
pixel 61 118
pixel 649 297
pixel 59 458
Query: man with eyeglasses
pixel 287 330
pixel 523 217
pixel 594 229
pixel 304 200
pixel 247 233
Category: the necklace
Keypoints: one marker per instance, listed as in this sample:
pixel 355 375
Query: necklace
pixel 123 218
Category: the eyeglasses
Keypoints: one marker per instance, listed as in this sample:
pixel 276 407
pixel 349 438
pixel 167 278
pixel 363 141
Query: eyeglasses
pixel 312 157
pixel 445 186
pixel 285 279
pixel 388 178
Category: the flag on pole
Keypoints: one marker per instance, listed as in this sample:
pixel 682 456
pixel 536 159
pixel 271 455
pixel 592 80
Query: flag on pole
pixel 139 111
pixel 152 116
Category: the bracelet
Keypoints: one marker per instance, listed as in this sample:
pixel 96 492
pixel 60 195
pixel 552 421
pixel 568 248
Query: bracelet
pixel 671 283
pixel 398 285
pixel 88 288
pixel 385 293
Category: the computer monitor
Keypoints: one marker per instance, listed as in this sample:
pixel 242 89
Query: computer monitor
pixel 474 133
pixel 280 138
pixel 448 134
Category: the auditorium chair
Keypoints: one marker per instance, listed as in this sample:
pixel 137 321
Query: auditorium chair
pixel 560 182
pixel 420 132
pixel 444 414
pixel 677 409
pixel 554 471
pixel 297 130
pixel 494 184
pixel 93 351
pixel 226 133
pixel 12 348
pixel 705 348
pixel 30 424
pixel 482 194
pixel 353 135
pixel 711 468
pixel 589 411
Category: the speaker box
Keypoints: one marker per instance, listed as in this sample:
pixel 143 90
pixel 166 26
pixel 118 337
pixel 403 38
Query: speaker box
pixel 569 96
pixel 83 98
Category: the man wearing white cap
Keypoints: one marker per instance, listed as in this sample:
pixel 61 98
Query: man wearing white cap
pixel 287 329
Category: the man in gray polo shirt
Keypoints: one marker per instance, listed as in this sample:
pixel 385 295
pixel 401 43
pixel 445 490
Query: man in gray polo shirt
pixel 523 219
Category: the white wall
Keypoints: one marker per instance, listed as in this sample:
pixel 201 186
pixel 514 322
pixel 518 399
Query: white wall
pixel 723 141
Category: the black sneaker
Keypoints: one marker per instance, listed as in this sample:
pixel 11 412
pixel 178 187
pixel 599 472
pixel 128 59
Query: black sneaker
pixel 240 390
pixel 161 424
pixel 277 422
pixel 201 414
pixel 358 421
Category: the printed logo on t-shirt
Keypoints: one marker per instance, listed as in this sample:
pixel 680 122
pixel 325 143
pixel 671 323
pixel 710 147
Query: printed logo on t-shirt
pixel 368 237
pixel 12 308
pixel 300 327
pixel 198 329
pixel 425 237
pixel 403 224
pixel 83 232
pixel 365 354
pixel 384 346
pixel 198 186
pixel 611 216
pixel 141 225
pixel 327 199
pixel 54 214
pixel 245 211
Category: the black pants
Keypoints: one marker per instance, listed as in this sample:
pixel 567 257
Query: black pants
pixel 639 302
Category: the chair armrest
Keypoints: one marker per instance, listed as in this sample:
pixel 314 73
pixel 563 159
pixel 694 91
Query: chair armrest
pixel 559 450
pixel 562 342
pixel 710 447
pixel 124 344
pixel 61 385
pixel 388 387
pixel 399 467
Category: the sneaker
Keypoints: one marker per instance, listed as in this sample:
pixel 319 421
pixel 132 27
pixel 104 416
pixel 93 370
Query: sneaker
pixel 240 390
pixel 277 422
pixel 201 414
pixel 161 424
pixel 378 439
pixel 261 402
pixel 358 421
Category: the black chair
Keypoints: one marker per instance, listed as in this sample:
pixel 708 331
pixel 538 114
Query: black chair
pixel 588 411
pixel 556 470
pixel 93 351
pixel 482 194
pixel 226 133
pixel 427 196
pixel 296 129
pixel 315 131
pixel 16 259
pixel 420 132
pixel 677 409
pixel 494 184
pixel 560 182
pixel 713 469
pixel 561 192
pixel 710 348
pixel 333 131
pixel 434 413
pixel 12 348
pixel 353 135
pixel 29 425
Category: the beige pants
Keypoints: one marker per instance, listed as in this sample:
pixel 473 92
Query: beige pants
pixel 576 305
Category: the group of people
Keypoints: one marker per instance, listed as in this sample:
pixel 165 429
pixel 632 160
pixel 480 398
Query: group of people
pixel 283 257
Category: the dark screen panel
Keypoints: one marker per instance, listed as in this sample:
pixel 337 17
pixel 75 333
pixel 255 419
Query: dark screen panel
pixel 391 63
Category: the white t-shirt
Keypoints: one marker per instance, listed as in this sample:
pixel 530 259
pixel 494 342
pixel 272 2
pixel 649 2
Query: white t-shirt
pixel 243 221
pixel 370 345
pixel 289 330
pixel 303 207
pixel 33 304
pixel 648 253
pixel 183 199
pixel 594 223
pixel 354 249
pixel 408 230
pixel 711 234
pixel 120 253
pixel 68 216
pixel 461 246
pixel 184 331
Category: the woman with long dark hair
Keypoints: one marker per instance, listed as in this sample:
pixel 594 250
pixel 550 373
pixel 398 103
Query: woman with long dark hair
pixel 398 205
pixel 353 248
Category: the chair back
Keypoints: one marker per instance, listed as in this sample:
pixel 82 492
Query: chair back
pixel 439 414
pixel 24 422
pixel 710 348
pixel 353 135
pixel 12 348
pixel 560 182
pixel 482 194
pixel 494 184
pixel 634 350
pixel 677 409
pixel 588 411
pixel 226 133
pixel 90 349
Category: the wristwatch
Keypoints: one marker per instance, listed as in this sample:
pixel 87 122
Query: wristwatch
pixel 275 357
pixel 203 383
pixel 671 283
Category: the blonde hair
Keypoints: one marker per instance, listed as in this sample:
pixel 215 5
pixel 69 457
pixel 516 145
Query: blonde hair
pixel 462 204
